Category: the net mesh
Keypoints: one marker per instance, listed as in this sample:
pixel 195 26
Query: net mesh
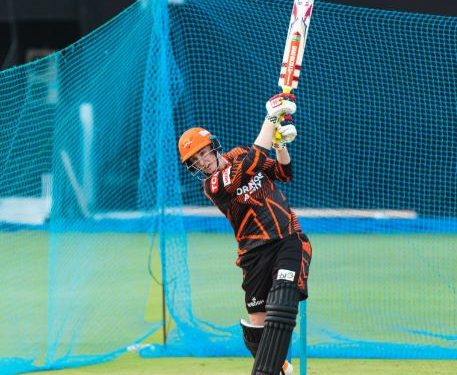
pixel 97 215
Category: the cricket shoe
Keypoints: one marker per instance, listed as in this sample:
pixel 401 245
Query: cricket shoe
pixel 287 368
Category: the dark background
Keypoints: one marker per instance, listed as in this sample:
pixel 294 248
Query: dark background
pixel 442 7
pixel 34 28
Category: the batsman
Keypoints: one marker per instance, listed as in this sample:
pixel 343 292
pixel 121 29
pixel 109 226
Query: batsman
pixel 273 252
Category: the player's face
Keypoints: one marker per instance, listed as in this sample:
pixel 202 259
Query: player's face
pixel 205 160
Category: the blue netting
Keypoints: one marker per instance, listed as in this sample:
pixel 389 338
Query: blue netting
pixel 376 108
pixel 92 192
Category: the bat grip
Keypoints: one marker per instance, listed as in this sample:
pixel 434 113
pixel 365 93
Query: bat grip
pixel 278 135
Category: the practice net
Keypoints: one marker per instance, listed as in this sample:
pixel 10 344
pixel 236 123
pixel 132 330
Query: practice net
pixel 107 244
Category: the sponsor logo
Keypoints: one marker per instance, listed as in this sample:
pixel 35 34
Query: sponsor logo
pixel 276 102
pixel 295 44
pixel 253 185
pixel 226 176
pixel 286 275
pixel 214 183
pixel 254 302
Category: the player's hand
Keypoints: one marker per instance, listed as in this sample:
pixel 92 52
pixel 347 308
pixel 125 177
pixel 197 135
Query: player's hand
pixel 281 104
pixel 288 132
pixel 285 133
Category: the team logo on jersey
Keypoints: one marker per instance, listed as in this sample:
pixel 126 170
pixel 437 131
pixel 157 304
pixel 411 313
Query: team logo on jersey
pixel 253 185
pixel 286 275
pixel 214 183
pixel 226 176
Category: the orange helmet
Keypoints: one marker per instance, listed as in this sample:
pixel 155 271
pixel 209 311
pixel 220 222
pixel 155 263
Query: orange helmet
pixel 192 141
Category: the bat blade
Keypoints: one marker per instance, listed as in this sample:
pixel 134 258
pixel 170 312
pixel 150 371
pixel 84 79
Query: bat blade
pixel 295 44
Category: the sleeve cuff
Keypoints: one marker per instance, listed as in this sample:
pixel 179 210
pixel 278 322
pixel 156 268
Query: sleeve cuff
pixel 263 150
pixel 286 169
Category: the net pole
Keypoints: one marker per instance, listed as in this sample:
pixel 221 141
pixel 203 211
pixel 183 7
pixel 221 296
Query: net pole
pixel 302 314
pixel 164 315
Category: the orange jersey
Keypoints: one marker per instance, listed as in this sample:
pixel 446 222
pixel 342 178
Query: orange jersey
pixel 245 192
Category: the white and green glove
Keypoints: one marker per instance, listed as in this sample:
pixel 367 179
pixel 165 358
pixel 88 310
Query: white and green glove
pixel 285 133
pixel 279 111
pixel 280 105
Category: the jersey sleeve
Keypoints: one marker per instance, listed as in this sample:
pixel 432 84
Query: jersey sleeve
pixel 277 171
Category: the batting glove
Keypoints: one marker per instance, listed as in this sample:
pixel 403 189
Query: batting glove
pixel 285 133
pixel 281 104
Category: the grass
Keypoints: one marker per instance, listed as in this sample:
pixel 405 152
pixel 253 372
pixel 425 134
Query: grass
pixel 89 293
pixel 131 364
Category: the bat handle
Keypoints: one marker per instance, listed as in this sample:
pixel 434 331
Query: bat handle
pixel 278 135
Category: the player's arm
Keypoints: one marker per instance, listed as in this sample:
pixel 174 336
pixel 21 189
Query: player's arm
pixel 281 168
pixel 282 156
pixel 277 128
pixel 288 133
pixel 266 134
pixel 279 107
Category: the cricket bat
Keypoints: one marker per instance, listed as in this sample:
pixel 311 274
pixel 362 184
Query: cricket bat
pixel 295 47
pixel 295 44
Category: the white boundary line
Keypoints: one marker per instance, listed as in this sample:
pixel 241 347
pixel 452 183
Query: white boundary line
pixel 314 213
pixel 36 210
